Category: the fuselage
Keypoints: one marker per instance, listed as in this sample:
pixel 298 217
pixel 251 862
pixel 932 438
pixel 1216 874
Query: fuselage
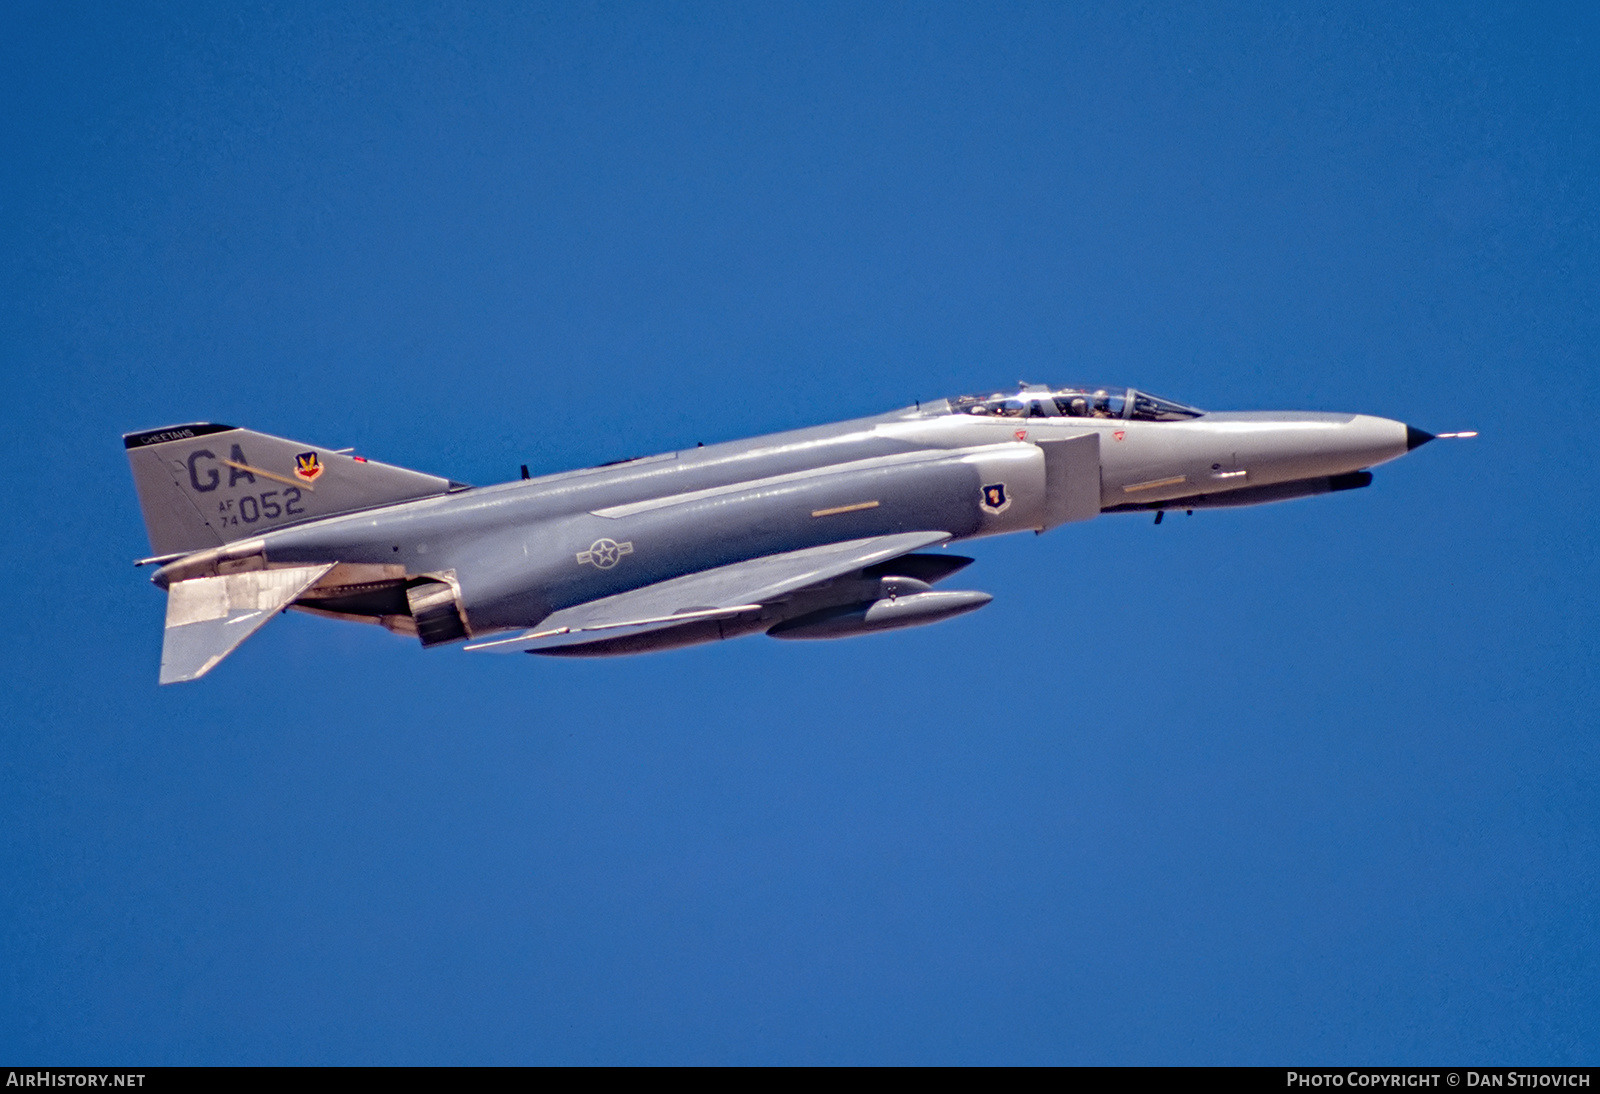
pixel 512 553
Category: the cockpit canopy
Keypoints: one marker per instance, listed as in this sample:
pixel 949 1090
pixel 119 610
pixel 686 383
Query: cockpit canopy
pixel 1042 401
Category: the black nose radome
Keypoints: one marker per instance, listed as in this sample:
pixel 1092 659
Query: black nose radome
pixel 1416 438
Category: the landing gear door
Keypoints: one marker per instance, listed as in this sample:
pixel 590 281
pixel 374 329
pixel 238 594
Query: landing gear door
pixel 1071 479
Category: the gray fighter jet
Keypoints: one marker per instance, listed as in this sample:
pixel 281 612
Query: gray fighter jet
pixel 817 533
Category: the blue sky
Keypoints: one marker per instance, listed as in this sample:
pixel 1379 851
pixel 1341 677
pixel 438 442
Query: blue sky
pixel 1309 783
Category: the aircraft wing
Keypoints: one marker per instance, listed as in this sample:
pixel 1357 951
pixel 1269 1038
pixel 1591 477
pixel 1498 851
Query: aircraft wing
pixel 718 593
pixel 208 617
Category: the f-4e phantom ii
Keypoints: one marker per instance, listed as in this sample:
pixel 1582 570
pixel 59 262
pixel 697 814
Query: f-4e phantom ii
pixel 816 533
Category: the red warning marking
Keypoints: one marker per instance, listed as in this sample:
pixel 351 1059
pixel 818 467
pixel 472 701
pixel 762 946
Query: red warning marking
pixel 1021 434
pixel 1119 434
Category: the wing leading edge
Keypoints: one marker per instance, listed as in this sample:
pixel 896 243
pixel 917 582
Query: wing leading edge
pixel 720 593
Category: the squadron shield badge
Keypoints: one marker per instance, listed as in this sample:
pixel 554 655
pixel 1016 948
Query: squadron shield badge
pixel 307 466
pixel 995 498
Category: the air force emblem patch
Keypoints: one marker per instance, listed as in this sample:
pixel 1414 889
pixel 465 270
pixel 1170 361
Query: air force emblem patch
pixel 604 553
pixel 307 466
pixel 995 498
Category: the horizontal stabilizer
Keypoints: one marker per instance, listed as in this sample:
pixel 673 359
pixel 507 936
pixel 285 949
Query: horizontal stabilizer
pixel 208 617
pixel 718 593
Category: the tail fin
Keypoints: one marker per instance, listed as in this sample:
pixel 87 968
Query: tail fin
pixel 204 485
